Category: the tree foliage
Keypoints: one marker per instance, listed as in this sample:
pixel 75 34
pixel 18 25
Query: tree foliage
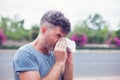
pixel 95 35
pixel 96 21
pixel 13 28
pixel 94 29
pixel 34 31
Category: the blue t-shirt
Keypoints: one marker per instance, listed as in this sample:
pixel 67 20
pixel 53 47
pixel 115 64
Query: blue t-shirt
pixel 27 58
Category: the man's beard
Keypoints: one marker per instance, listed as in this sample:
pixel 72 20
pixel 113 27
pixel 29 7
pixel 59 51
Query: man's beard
pixel 51 47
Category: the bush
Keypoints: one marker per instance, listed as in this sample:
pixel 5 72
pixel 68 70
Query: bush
pixel 116 41
pixel 80 40
pixel 2 37
pixel 9 47
pixel 98 48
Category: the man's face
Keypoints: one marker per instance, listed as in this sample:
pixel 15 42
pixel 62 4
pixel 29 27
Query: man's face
pixel 52 35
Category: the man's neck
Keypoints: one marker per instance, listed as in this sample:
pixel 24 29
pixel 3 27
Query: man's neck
pixel 38 46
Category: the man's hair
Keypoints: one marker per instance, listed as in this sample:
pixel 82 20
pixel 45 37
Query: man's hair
pixel 56 18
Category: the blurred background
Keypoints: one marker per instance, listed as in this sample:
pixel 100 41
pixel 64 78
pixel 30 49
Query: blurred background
pixel 95 30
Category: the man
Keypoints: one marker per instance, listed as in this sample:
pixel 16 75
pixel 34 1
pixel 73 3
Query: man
pixel 47 57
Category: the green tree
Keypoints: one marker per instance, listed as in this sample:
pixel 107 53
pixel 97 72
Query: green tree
pixel 13 28
pixel 118 31
pixel 34 31
pixel 96 21
pixel 4 23
pixel 98 35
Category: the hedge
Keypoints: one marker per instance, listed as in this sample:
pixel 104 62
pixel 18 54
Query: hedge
pixel 79 48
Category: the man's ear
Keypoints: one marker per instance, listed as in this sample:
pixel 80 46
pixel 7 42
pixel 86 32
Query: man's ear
pixel 43 30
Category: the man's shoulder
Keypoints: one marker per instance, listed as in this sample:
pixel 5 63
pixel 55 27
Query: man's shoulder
pixel 24 52
pixel 24 48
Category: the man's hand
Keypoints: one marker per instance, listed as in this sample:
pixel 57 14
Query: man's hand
pixel 64 56
pixel 60 51
pixel 69 57
pixel 68 73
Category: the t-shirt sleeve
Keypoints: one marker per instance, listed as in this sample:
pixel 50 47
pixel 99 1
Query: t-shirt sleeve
pixel 25 61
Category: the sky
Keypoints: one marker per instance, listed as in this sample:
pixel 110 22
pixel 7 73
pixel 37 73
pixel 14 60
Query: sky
pixel 76 10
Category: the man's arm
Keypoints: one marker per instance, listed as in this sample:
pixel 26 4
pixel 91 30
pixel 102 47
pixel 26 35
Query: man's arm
pixel 54 73
pixel 68 73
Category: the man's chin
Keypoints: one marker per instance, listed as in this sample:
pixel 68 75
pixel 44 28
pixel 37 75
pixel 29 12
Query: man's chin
pixel 51 49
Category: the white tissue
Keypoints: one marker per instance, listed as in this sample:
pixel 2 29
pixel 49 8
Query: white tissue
pixel 71 45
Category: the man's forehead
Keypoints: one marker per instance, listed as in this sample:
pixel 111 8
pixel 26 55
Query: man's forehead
pixel 59 30
pixel 62 34
pixel 62 31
